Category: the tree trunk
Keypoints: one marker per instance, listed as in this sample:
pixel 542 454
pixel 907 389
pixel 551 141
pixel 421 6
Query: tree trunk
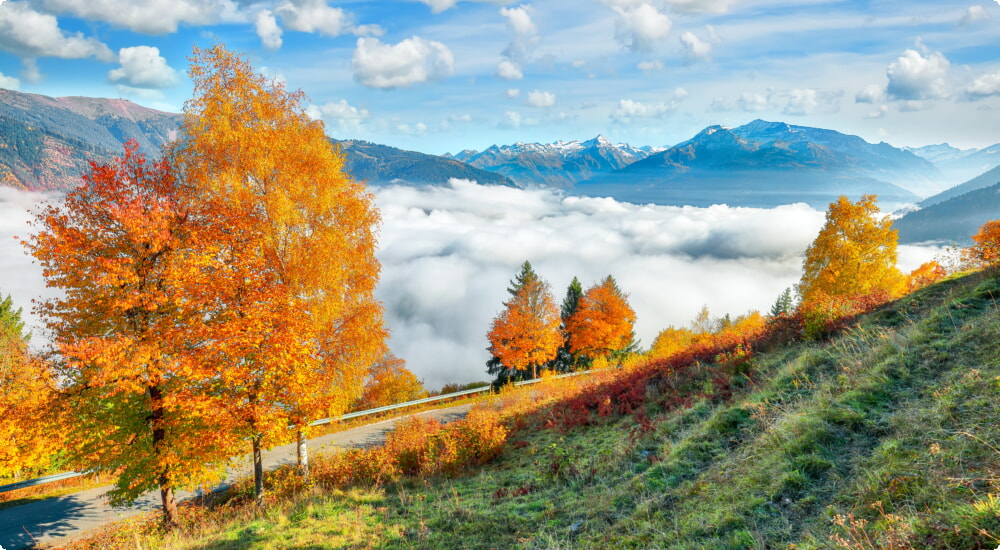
pixel 258 470
pixel 303 456
pixel 534 371
pixel 159 438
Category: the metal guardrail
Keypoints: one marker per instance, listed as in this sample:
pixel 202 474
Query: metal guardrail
pixel 348 416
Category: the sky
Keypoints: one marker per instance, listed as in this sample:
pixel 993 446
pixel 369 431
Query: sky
pixel 440 76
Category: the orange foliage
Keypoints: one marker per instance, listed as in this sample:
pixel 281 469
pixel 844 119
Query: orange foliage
pixel 391 382
pixel 928 273
pixel 526 334
pixel 292 325
pixel 602 323
pixel 853 255
pixel 985 253
pixel 28 436
pixel 118 249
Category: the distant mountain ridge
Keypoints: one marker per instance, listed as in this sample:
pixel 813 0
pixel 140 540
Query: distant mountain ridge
pixel 764 164
pixel 559 164
pixel 46 143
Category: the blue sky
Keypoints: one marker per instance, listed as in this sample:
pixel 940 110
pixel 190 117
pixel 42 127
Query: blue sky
pixel 443 75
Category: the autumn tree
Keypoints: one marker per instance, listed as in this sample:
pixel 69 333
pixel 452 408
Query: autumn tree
pixel 985 251
pixel 526 333
pixel 390 382
pixel 565 360
pixel 118 250
pixel 291 318
pixel 928 273
pixel 602 325
pixel 28 437
pixel 853 255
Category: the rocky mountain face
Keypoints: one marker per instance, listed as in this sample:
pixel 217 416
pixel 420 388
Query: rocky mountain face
pixel 46 144
pixel 559 164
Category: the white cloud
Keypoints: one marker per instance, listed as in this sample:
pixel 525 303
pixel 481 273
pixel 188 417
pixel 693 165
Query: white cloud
pixel 509 71
pixel 412 61
pixel 30 34
pixel 694 47
pixel 9 82
pixel 701 6
pixel 650 66
pixel 753 103
pixel 268 30
pixel 145 16
pixel 438 6
pixel 629 110
pixel 143 67
pixel 313 16
pixel 511 119
pixel 344 116
pixel 916 77
pixel 513 93
pixel 540 98
pixel 974 15
pixel 984 86
pixel 873 93
pixel 639 25
pixel 801 101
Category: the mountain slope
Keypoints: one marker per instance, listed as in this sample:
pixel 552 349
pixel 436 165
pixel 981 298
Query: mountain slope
pixel 984 180
pixel 559 164
pixel 953 220
pixel 46 143
pixel 382 164
pixel 764 164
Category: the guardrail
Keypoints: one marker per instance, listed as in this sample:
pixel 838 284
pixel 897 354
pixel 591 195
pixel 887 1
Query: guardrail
pixel 348 416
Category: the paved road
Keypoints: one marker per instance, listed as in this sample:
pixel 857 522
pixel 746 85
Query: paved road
pixel 53 519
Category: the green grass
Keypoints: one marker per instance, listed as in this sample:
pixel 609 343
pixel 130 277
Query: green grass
pixel 885 436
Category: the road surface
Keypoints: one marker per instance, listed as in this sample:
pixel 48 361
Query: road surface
pixel 48 521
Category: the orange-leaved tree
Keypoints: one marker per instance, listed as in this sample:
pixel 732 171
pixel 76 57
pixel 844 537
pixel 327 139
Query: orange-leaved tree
pixel 851 264
pixel 602 325
pixel 291 316
pixel 390 382
pixel 928 273
pixel 985 252
pixel 526 333
pixel 118 247
pixel 29 438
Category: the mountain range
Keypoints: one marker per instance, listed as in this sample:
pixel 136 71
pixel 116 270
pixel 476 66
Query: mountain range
pixel 45 144
pixel 954 215
pixel 560 164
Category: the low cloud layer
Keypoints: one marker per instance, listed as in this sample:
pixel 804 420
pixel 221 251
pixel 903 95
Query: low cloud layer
pixel 448 254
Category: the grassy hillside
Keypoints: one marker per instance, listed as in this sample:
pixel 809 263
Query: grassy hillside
pixel 887 435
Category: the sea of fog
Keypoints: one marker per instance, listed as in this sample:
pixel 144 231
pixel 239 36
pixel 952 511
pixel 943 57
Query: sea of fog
pixel 448 255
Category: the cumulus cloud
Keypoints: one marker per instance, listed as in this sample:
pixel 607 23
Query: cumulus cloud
pixel 511 119
pixel 629 110
pixel 915 77
pixel 752 103
pixel 313 16
pixel 973 15
pixel 695 48
pixel 438 6
pixel 650 66
pixel 268 30
pixel 412 61
pixel 701 6
pixel 448 254
pixel 639 25
pixel 508 70
pixel 143 67
pixel 873 93
pixel 341 114
pixel 9 82
pixel 801 101
pixel 513 93
pixel 539 98
pixel 984 86
pixel 29 34
pixel 146 16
